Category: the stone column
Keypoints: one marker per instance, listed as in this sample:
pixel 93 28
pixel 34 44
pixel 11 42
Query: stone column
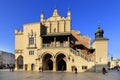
pixel 16 66
pixel 58 27
pixel 50 27
pixel 54 65
pixel 41 45
pixel 35 39
pixel 55 41
pixel 68 41
pixel 64 26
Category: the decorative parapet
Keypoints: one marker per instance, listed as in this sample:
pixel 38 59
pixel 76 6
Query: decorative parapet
pixel 18 51
pixel 63 45
pixel 18 32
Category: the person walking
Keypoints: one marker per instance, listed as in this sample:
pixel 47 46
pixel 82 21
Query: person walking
pixel 39 69
pixel 75 70
pixel 104 70
pixel 10 67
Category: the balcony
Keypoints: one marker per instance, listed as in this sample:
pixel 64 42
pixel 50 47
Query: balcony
pixel 63 45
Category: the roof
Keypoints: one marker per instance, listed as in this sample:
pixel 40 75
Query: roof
pixel 56 34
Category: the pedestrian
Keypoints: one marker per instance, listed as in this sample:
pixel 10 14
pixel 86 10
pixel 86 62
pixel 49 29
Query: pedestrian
pixel 75 70
pixel 10 67
pixel 117 69
pixel 104 70
pixel 39 69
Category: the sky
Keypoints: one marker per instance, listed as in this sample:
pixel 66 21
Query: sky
pixel 85 14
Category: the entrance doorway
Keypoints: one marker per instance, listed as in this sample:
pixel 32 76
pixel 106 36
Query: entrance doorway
pixel 20 62
pixel 61 65
pixel 60 62
pixel 50 64
pixel 26 67
pixel 47 62
pixel 32 67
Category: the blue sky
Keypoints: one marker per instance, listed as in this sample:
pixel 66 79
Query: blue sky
pixel 86 14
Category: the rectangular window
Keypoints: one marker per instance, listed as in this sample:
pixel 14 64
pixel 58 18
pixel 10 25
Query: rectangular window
pixel 31 40
pixel 31 52
pixel 84 67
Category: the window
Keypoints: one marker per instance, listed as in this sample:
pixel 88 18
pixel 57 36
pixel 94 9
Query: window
pixel 31 52
pixel 31 40
pixel 84 67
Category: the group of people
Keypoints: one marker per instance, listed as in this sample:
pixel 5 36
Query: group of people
pixel 11 67
pixel 104 71
pixel 75 69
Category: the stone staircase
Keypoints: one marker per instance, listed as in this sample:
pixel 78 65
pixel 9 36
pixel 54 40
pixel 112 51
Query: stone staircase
pixel 80 54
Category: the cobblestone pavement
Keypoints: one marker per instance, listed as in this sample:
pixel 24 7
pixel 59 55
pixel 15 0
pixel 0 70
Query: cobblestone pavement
pixel 22 75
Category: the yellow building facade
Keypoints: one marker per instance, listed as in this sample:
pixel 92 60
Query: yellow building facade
pixel 52 45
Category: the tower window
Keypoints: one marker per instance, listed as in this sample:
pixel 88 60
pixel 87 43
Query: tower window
pixel 31 40
pixel 31 52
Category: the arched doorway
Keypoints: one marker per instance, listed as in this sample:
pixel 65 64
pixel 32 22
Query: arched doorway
pixel 50 64
pixel 60 62
pixel 47 62
pixel 20 62
pixel 32 67
pixel 26 66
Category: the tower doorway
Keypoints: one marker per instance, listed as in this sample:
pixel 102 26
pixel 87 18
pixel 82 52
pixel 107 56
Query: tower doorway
pixel 20 62
pixel 32 67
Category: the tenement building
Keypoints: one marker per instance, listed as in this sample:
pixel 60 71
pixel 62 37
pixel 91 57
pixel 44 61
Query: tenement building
pixel 114 63
pixel 6 59
pixel 52 45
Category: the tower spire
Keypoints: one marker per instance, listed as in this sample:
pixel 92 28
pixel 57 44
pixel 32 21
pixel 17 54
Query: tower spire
pixel 99 25
pixel 99 32
pixel 69 14
pixel 42 16
pixel 55 12
pixel 54 7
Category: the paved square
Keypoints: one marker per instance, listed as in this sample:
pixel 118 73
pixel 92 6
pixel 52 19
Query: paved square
pixel 22 75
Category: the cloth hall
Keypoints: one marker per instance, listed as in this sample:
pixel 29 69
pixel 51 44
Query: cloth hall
pixel 52 44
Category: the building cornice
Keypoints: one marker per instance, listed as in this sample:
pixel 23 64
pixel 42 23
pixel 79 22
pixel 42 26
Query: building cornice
pixel 31 23
pixel 100 39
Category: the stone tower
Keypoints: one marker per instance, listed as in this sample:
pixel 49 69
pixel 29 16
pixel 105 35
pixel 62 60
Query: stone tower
pixel 100 44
